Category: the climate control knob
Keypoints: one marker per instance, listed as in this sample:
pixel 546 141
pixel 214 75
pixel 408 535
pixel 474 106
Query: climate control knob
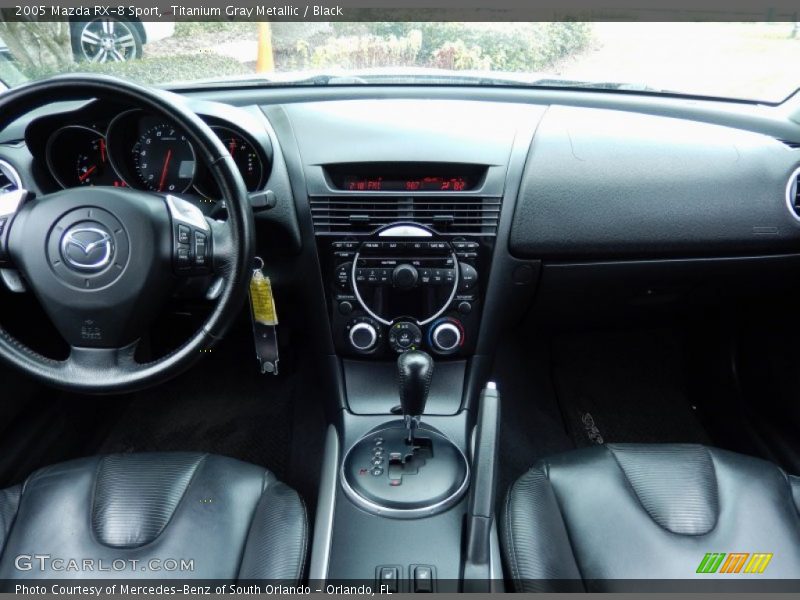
pixel 363 336
pixel 446 336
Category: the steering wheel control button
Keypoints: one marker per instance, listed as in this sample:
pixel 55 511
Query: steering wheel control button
pixel 184 234
pixel 183 258
pixel 200 249
pixel 88 248
pixel 192 237
pixel 404 335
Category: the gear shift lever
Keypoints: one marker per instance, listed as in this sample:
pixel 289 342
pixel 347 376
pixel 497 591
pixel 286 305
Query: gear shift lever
pixel 415 371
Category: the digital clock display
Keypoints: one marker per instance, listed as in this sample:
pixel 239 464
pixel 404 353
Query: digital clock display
pixel 405 177
pixel 354 183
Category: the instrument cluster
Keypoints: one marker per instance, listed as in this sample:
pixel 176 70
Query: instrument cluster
pixel 145 152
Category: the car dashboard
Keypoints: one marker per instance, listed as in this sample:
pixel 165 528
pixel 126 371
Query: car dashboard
pixel 412 214
pixel 398 218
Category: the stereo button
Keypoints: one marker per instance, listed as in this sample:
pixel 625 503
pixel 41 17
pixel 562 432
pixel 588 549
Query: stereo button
pixel 468 277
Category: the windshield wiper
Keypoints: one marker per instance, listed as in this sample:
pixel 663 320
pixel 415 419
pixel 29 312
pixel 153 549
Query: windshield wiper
pixel 418 77
pixel 594 85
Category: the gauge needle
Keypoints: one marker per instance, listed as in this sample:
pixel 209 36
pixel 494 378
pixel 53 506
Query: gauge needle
pixel 102 150
pixel 164 170
pixel 87 172
pixel 232 147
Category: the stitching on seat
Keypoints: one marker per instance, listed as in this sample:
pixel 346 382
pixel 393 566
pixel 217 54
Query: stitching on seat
pixel 791 490
pixel 305 538
pixel 564 522
pixel 243 549
pixel 632 491
pixel 647 512
pixel 719 496
pixel 510 537
pixel 89 513
pixel 14 520
pixel 197 468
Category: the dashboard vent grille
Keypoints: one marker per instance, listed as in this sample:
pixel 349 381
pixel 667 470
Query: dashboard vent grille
pixel 9 178
pixel 791 144
pixel 365 214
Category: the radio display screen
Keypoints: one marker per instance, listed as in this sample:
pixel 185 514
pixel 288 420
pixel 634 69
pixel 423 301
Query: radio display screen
pixel 405 177
pixel 435 183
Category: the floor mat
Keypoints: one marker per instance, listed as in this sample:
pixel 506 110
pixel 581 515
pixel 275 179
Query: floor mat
pixel 531 426
pixel 624 387
pixel 224 406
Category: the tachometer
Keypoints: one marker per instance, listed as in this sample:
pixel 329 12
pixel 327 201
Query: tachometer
pixel 164 159
pixel 77 155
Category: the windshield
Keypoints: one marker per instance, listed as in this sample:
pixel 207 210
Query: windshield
pixel 749 61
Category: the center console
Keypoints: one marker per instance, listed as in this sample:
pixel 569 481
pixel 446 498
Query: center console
pixel 405 252
pixel 410 202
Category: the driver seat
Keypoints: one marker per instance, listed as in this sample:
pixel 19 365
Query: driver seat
pixel 153 516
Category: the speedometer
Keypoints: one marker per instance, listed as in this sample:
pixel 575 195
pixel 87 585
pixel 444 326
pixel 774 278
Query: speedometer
pixel 164 159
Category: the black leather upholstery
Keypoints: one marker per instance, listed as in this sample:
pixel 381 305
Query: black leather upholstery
pixel 233 520
pixel 599 517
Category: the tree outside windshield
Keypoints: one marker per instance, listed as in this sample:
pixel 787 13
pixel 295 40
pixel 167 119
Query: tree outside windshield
pixel 732 60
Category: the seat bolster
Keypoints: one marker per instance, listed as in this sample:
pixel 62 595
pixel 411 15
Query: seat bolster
pixel 794 482
pixel 277 541
pixel 9 504
pixel 536 545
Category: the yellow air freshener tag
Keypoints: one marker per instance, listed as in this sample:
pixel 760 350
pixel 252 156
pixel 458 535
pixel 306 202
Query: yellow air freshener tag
pixel 262 299
pixel 265 320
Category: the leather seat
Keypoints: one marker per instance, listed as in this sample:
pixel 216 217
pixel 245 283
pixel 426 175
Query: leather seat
pixel 597 518
pixel 232 520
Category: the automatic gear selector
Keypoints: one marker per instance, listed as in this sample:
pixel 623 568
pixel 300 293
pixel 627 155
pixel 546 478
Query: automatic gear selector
pixel 405 469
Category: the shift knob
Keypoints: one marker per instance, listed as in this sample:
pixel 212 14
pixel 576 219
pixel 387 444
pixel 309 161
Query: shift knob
pixel 415 371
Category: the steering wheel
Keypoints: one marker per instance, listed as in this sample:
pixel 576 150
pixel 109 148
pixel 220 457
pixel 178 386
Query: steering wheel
pixel 102 261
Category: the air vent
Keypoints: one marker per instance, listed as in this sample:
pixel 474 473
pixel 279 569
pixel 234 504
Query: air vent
pixel 445 214
pixel 9 178
pixel 792 145
pixel 793 194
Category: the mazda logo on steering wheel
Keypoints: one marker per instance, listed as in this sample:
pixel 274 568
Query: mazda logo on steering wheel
pixel 87 247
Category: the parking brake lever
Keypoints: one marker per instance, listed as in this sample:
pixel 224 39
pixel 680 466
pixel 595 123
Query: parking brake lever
pixel 478 575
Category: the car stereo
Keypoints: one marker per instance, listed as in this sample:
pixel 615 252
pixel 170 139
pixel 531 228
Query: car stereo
pixel 405 287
